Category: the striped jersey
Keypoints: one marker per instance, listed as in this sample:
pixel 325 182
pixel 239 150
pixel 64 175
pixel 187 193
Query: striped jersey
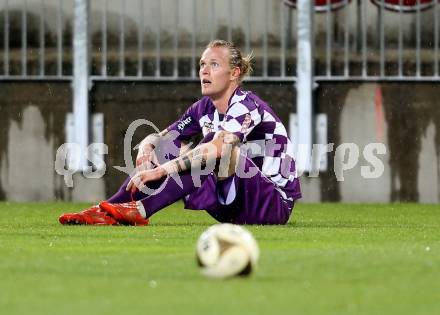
pixel 263 137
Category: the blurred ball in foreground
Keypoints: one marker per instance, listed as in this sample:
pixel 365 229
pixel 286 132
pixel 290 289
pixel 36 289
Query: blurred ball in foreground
pixel 227 250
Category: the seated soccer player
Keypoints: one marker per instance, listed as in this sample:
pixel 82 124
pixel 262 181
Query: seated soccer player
pixel 242 172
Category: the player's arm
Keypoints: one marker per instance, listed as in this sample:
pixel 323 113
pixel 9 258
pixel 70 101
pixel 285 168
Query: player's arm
pixel 146 156
pixel 203 154
pixel 200 156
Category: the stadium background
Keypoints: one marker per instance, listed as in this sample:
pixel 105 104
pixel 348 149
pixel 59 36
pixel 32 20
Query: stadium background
pixel 393 100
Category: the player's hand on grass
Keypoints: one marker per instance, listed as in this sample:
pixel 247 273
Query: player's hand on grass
pixel 144 176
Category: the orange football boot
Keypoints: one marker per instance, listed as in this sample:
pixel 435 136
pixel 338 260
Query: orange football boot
pixel 125 213
pixel 93 216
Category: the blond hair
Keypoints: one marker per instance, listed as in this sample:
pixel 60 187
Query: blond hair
pixel 235 58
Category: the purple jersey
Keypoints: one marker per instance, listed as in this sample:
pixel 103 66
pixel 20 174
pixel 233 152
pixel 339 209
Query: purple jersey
pixel 262 135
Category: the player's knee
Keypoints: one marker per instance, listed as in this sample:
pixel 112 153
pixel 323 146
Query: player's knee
pixel 207 138
pixel 227 138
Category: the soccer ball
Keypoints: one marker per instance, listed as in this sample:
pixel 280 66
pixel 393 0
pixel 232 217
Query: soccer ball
pixel 226 250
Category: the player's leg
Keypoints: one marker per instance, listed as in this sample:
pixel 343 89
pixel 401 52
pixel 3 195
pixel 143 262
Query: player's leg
pixel 164 151
pixel 238 193
pixel 95 215
pixel 137 212
pixel 260 201
pixel 122 195
pixel 171 189
pixel 215 197
pixel 246 199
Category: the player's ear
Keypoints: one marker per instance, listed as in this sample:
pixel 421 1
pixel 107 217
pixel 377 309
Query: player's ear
pixel 235 73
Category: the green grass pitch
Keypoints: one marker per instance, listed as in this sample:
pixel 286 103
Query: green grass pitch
pixel 329 259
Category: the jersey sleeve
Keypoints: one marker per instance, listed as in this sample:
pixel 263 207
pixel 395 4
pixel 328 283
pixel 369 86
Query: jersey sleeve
pixel 187 125
pixel 241 119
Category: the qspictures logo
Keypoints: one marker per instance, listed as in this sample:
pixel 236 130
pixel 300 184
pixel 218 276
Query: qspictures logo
pixel 346 157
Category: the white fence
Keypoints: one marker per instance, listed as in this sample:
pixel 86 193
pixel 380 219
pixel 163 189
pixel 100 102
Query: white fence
pixel 162 39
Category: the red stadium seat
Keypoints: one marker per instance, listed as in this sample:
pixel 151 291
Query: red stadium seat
pixel 405 5
pixel 321 5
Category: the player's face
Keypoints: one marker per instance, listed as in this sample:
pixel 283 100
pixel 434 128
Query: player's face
pixel 215 73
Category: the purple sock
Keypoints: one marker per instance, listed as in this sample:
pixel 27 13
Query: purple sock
pixel 125 196
pixel 170 193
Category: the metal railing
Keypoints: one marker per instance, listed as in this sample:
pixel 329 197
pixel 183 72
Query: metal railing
pixel 367 48
pixel 142 39
pixel 27 44
pixel 162 40
pixel 161 54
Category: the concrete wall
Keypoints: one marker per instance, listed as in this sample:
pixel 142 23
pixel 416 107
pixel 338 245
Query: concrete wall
pixel 32 117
